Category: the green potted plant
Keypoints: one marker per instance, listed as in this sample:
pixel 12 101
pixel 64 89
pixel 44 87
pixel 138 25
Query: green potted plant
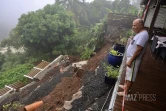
pixel 115 53
pixel 120 44
pixel 115 58
pixel 111 74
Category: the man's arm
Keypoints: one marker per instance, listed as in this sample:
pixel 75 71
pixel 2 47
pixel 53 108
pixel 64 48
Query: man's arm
pixel 136 53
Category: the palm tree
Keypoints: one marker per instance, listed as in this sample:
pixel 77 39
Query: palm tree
pixel 75 6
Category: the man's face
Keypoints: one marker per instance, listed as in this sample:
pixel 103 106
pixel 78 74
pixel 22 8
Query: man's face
pixel 136 26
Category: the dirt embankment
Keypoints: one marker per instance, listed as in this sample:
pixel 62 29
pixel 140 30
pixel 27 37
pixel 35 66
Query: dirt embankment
pixel 70 85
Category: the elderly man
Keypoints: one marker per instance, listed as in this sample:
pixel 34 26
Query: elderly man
pixel 134 54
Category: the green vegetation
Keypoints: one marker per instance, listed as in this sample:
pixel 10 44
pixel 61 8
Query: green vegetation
pixel 12 106
pixel 111 71
pixel 45 30
pixel 54 29
pixel 123 40
pixel 70 27
pixel 115 53
pixel 14 66
pixel 11 60
pixel 1 60
pixel 129 33
pixel 86 14
pixel 86 54
pixel 15 74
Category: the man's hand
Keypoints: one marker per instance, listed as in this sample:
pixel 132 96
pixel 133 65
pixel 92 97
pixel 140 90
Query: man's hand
pixel 136 53
pixel 129 64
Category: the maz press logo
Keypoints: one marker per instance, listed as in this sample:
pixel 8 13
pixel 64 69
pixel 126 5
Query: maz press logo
pixel 140 97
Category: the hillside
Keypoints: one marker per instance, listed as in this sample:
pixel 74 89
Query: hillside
pixel 93 86
pixel 59 85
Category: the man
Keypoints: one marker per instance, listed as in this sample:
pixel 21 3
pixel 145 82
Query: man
pixel 134 54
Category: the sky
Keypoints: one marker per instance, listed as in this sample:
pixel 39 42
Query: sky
pixel 11 10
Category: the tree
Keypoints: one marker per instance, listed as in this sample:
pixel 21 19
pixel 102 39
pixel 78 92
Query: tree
pixel 136 3
pixel 125 6
pixel 41 31
pixel 76 7
pixel 1 60
pixel 51 29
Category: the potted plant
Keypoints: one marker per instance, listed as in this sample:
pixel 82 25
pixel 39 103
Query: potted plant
pixel 111 74
pixel 119 46
pixel 115 58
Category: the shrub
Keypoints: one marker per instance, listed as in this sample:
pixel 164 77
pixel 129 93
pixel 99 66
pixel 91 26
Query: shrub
pixel 13 75
pixel 86 54
pixel 11 106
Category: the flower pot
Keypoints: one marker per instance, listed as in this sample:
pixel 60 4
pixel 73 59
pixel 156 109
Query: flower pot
pixel 115 60
pixel 109 80
pixel 33 106
pixel 119 47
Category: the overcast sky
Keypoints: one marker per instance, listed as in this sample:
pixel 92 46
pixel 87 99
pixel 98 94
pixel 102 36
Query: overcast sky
pixel 11 10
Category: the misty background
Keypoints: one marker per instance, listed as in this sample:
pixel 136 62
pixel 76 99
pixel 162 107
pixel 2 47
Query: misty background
pixel 11 10
pixel 69 27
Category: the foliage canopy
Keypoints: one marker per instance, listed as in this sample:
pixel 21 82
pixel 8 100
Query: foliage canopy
pixel 44 30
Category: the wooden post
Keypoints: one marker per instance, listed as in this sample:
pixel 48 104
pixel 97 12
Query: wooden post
pixel 154 17
pixel 147 10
